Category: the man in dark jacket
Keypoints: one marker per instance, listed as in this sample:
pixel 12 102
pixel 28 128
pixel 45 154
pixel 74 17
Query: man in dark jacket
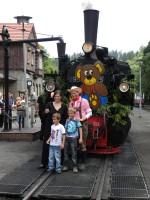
pixel 42 101
pixel 40 107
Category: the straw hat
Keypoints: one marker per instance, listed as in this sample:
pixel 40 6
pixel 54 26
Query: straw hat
pixel 75 88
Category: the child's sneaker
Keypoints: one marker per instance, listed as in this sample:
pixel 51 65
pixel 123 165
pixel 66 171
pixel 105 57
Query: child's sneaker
pixel 58 172
pixel 75 170
pixel 50 171
pixel 82 166
pixel 65 168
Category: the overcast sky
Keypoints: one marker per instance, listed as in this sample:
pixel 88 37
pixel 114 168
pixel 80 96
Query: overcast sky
pixel 123 24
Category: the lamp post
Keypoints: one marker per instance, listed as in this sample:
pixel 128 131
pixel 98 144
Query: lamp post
pixel 25 20
pixel 5 37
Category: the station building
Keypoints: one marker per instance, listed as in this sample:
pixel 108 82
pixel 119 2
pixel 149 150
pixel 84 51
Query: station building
pixel 25 60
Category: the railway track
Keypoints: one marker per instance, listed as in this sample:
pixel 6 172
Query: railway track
pixel 106 177
pixel 36 189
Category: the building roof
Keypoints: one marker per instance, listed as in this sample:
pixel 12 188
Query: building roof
pixel 16 33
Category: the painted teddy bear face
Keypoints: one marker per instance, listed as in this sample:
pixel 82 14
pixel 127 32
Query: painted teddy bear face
pixel 89 74
pixel 92 88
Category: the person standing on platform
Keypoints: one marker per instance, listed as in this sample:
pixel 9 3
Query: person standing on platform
pixel 42 101
pixel 73 133
pixel 55 106
pixel 1 110
pixel 20 105
pixel 83 112
pixel 11 105
pixel 56 142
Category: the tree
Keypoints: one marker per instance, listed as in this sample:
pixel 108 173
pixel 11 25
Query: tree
pixel 123 56
pixel 146 72
pixel 134 64
pixel 50 65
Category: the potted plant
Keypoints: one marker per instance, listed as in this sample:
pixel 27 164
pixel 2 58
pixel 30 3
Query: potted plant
pixel 118 121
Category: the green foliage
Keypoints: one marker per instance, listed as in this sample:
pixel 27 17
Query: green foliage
pixel 115 111
pixel 144 55
pixel 134 64
pixel 50 65
pixel 146 72
pixel 75 56
pixel 123 56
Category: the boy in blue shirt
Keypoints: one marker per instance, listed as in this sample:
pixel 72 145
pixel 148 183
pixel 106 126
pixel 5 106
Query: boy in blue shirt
pixel 73 133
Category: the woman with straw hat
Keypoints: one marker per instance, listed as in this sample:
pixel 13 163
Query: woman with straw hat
pixel 83 112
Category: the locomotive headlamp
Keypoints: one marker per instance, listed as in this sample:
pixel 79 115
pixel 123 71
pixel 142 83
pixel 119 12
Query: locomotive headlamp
pixel 88 47
pixel 124 87
pixel 50 87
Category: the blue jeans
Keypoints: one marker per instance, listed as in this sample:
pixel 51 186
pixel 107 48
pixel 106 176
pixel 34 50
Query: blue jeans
pixel 54 157
pixel 70 149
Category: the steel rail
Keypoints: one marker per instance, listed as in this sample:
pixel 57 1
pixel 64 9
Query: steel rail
pixel 102 180
pixel 97 186
pixel 36 187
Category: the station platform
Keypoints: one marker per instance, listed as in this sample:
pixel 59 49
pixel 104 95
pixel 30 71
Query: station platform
pixel 128 172
pixel 125 179
pixel 20 135
pixel 25 134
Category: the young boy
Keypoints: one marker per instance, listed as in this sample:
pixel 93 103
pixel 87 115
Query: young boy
pixel 73 132
pixel 56 142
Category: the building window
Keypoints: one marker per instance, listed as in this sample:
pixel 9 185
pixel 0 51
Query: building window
pixel 28 55
pixel 40 89
pixel 40 62
pixel 37 90
pixel 33 58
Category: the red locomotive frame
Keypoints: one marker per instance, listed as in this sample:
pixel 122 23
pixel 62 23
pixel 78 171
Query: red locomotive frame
pixel 97 139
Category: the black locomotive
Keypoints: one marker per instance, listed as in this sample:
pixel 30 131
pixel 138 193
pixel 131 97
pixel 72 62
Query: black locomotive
pixel 106 83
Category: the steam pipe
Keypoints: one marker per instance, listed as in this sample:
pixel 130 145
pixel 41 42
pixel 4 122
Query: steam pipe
pixel 60 39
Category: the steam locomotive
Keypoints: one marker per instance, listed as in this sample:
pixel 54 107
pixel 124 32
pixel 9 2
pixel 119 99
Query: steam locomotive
pixel 106 83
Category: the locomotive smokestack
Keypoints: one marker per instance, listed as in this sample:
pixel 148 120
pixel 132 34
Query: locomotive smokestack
pixel 91 25
pixel 61 47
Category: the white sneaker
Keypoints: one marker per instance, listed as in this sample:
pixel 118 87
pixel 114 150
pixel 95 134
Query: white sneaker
pixel 65 168
pixel 75 170
pixel 82 166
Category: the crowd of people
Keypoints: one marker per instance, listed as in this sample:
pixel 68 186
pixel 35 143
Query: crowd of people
pixel 63 130
pixel 63 127
pixel 18 104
